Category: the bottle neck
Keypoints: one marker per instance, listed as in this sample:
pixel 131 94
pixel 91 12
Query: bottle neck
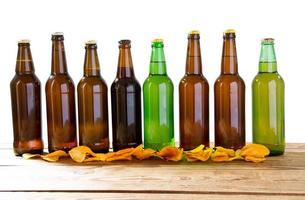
pixel 229 56
pixel 267 61
pixel 193 60
pixel 91 65
pixel 125 66
pixel 157 61
pixel 24 63
pixel 59 65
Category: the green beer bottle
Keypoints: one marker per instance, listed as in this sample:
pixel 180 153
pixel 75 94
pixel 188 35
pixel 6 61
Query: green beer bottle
pixel 158 91
pixel 268 102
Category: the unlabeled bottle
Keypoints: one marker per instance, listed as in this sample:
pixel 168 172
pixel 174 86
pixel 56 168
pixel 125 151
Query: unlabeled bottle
pixel 158 91
pixel 60 100
pixel 126 102
pixel 229 91
pixel 26 103
pixel 93 103
pixel 268 102
pixel 194 98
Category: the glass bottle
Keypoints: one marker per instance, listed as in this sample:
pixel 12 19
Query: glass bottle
pixel 268 102
pixel 158 93
pixel 194 99
pixel 93 104
pixel 229 101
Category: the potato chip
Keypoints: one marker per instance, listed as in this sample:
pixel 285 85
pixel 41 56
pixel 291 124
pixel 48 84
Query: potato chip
pixel 142 154
pixel 197 149
pixel 119 157
pixel 29 156
pixel 223 154
pixel 255 150
pixel 54 156
pixel 79 154
pixel 170 153
pixel 255 159
pixel 199 154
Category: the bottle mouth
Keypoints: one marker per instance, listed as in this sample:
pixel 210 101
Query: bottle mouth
pixel 58 36
pixel 229 33
pixel 267 41
pixel 194 34
pixel 24 42
pixel 158 42
pixel 91 44
pixel 124 43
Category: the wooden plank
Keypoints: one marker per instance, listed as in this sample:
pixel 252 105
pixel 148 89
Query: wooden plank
pixel 282 175
pixel 192 178
pixel 131 196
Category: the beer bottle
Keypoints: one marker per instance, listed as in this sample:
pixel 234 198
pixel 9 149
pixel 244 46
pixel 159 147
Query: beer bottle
pixel 60 100
pixel 158 93
pixel 229 102
pixel 126 102
pixel 26 103
pixel 268 102
pixel 194 99
pixel 93 103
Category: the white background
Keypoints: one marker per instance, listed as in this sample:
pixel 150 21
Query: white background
pixel 141 21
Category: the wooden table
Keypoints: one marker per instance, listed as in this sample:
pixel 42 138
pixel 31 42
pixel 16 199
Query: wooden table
pixel 280 177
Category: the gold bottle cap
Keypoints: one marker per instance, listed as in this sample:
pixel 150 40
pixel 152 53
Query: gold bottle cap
pixel 58 34
pixel 194 32
pixel 157 40
pixel 24 41
pixel 90 42
pixel 229 31
pixel 267 40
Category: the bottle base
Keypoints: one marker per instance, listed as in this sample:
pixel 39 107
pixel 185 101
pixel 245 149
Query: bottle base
pixel 64 147
pixel 118 147
pixel 31 146
pixel 158 146
pixel 275 150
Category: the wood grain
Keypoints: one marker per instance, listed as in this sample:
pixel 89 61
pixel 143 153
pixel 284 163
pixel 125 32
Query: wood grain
pixel 281 177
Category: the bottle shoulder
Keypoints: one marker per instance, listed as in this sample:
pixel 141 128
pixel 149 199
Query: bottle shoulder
pixel 25 79
pixel 158 79
pixel 92 81
pixel 58 80
pixel 267 78
pixel 129 84
pixel 229 78
pixel 193 79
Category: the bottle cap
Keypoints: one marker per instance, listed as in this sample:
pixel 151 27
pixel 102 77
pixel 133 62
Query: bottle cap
pixel 194 32
pixel 157 40
pixel 229 34
pixel 91 42
pixel 24 41
pixel 267 41
pixel 58 34
pixel 228 31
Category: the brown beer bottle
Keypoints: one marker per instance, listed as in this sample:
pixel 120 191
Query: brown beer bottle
pixel 229 102
pixel 194 99
pixel 126 102
pixel 93 104
pixel 26 103
pixel 60 100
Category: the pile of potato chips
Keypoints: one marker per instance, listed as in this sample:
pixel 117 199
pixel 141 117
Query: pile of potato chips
pixel 80 154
